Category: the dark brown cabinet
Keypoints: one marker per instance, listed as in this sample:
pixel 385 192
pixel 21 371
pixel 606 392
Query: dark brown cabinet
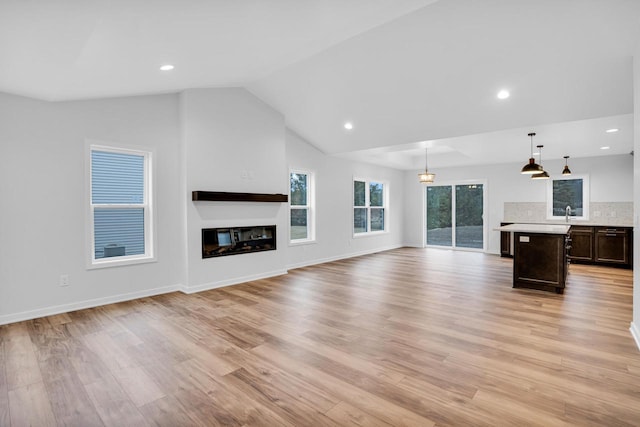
pixel 540 261
pixel 581 244
pixel 612 245
pixel 601 245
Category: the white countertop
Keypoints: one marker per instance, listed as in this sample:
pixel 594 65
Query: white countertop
pixel 535 228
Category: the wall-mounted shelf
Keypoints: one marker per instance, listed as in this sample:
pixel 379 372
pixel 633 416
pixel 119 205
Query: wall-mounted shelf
pixel 223 196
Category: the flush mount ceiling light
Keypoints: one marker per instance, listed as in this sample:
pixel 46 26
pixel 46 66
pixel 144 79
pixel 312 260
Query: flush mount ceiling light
pixel 611 130
pixel 426 177
pixel 531 167
pixel 503 94
pixel 167 67
pixel 605 148
pixel 348 126
pixel 543 174
pixel 566 170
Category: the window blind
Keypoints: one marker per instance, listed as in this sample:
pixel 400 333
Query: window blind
pixel 117 195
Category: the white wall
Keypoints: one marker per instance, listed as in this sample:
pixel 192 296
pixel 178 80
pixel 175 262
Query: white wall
pixel 204 139
pixel 334 205
pixel 635 324
pixel 43 201
pixel 611 180
pixel 232 142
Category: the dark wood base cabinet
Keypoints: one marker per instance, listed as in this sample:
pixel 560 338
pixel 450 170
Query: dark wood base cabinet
pixel 613 246
pixel 540 261
pixel 601 245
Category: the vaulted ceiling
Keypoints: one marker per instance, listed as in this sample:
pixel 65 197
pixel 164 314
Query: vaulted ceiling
pixel 406 73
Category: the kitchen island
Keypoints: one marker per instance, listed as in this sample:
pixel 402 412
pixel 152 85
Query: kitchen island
pixel 539 256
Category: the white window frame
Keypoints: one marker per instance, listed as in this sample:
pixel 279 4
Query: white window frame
pixel 310 207
pixel 585 197
pixel 147 205
pixel 368 207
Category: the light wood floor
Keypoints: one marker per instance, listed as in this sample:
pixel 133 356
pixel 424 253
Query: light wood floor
pixel 405 337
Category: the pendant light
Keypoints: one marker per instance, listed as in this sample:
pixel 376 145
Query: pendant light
pixel 531 167
pixel 566 170
pixel 426 177
pixel 543 174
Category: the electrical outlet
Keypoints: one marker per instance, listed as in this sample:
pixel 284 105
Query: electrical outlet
pixel 596 213
pixel 613 214
pixel 64 280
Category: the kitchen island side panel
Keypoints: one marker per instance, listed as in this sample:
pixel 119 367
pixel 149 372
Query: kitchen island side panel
pixel 540 261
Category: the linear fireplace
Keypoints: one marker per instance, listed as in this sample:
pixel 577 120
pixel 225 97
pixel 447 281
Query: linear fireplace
pixel 237 240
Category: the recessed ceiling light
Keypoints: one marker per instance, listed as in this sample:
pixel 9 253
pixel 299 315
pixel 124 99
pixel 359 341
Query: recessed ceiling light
pixel 604 148
pixel 167 67
pixel 611 130
pixel 503 94
pixel 348 125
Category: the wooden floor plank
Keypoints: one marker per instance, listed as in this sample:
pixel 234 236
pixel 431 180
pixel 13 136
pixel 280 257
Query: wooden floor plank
pixel 21 362
pixel 138 385
pixel 407 337
pixel 30 406
pixel 70 402
pixel 4 388
pixel 113 405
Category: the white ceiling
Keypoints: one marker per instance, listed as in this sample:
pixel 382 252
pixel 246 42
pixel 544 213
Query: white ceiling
pixel 403 71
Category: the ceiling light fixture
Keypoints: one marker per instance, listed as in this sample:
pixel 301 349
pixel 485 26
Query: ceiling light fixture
pixel 605 147
pixel 426 177
pixel 531 167
pixel 566 170
pixel 611 130
pixel 503 94
pixel 348 125
pixel 167 67
pixel 543 174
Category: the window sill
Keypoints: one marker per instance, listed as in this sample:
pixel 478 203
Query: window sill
pixel 119 262
pixel 370 234
pixel 303 242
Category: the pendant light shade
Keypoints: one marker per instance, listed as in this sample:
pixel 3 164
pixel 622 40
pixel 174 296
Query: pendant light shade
pixel 566 170
pixel 426 177
pixel 532 167
pixel 543 174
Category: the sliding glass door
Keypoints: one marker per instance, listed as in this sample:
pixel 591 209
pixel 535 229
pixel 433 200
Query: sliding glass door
pixel 455 215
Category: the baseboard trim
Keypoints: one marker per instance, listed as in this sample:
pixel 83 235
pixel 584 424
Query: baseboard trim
pixel 343 256
pixel 81 305
pixel 635 333
pixel 230 282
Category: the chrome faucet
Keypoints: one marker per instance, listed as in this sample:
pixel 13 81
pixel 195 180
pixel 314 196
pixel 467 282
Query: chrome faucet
pixel 567 213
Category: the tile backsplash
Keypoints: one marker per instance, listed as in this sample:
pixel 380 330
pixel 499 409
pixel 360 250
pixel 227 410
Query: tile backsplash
pixel 600 213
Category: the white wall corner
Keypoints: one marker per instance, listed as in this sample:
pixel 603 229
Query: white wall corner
pixel 81 305
pixel 230 282
pixel 635 333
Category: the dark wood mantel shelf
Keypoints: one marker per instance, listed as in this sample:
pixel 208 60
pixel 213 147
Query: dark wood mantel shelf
pixel 223 196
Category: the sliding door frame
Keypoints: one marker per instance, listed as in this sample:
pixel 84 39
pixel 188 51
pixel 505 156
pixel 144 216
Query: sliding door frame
pixel 485 206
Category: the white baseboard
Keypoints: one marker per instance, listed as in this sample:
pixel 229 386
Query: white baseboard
pixel 230 282
pixel 65 308
pixel 339 257
pixel 635 333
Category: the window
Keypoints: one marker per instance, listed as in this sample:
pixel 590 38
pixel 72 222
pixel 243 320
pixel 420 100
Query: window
pixel 120 214
pixel 369 206
pixel 571 191
pixel 301 213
